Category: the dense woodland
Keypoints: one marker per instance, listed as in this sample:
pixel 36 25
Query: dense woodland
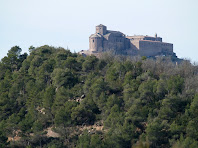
pixel 114 101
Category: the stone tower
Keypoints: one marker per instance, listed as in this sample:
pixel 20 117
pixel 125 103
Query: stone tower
pixel 95 43
pixel 101 29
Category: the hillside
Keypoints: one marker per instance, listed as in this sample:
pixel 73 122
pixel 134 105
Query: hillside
pixel 55 98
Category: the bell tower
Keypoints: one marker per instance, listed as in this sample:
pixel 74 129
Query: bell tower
pixel 101 29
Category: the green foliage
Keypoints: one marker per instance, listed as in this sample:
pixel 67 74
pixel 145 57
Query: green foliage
pixel 63 114
pixel 3 140
pixel 63 78
pixel 157 132
pixel 31 48
pixel 80 115
pixel 96 103
pixel 89 63
pixel 93 141
pixel 175 84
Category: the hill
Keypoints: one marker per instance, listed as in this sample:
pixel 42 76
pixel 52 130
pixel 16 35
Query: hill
pixel 55 98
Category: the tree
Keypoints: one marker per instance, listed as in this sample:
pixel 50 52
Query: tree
pixel 48 100
pixel 63 78
pixel 157 133
pixel 115 117
pixel 175 84
pixel 84 141
pixel 3 140
pixel 31 48
pixel 89 63
pixel 63 114
pixel 71 63
pixel 12 60
pixel 82 116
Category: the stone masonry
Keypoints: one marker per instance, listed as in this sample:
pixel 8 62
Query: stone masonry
pixel 106 40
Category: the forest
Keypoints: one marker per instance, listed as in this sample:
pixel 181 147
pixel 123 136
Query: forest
pixel 53 98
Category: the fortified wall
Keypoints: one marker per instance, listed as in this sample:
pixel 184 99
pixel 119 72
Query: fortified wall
pixel 107 40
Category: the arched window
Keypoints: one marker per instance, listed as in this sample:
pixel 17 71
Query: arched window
pixel 93 41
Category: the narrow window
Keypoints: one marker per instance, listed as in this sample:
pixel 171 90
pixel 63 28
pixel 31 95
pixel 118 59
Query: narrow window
pixel 93 40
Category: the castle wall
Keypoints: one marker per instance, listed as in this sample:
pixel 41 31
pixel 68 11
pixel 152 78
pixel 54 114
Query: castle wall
pixel 134 44
pixel 140 37
pixel 149 48
pixel 127 43
pixel 135 37
pixel 96 44
pixel 114 42
pixel 167 47
pixel 152 38
pixel 105 40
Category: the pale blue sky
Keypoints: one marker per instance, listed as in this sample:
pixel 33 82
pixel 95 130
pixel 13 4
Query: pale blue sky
pixel 70 22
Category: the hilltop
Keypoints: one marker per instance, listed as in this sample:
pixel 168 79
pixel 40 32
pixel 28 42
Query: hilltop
pixel 104 40
pixel 55 98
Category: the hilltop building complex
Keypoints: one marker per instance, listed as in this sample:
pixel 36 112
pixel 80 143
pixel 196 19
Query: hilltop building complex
pixel 106 40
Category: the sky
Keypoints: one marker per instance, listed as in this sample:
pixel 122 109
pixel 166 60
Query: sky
pixel 69 23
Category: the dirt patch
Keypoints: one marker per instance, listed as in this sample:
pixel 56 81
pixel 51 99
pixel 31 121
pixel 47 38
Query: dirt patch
pixel 51 133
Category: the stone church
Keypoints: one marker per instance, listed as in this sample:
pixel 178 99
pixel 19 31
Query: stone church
pixel 107 40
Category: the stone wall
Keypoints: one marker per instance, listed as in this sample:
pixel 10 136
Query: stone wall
pixel 105 40
pixel 153 48
pixel 148 48
pixel 101 29
pixel 96 44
